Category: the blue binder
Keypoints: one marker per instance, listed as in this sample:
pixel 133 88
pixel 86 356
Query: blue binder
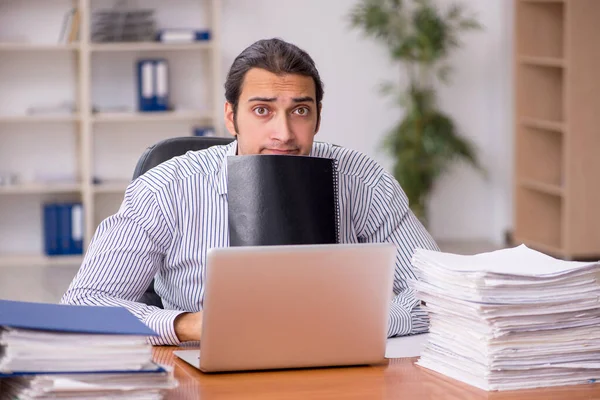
pixel 73 319
pixel 204 131
pixel 50 225
pixel 145 83
pixel 182 35
pixel 63 228
pixel 153 85
pixel 76 239
pixel 161 76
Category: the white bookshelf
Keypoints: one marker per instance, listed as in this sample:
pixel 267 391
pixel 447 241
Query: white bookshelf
pixel 40 188
pixel 115 47
pixel 162 116
pixel 86 132
pixel 11 47
pixel 39 118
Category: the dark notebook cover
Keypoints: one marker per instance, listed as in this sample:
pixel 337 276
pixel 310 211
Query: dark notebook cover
pixel 282 200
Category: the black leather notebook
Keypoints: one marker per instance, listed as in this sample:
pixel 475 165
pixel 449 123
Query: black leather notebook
pixel 282 200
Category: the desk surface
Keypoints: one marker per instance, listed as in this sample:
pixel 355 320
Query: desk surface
pixel 395 379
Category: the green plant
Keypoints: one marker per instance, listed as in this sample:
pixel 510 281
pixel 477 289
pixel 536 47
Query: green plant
pixel 420 36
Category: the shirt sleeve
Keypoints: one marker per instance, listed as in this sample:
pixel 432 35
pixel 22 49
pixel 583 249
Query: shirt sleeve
pixel 391 220
pixel 125 253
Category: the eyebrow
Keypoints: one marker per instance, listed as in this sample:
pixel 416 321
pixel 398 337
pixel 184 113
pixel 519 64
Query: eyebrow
pixel 272 99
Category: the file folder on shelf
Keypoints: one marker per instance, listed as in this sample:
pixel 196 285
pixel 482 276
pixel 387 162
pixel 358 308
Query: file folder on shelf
pixel 146 90
pixel 63 228
pixel 50 223
pixel 182 35
pixel 153 85
pixel 161 98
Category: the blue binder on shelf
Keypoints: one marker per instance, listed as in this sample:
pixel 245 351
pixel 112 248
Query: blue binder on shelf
pixel 153 85
pixel 161 76
pixel 204 131
pixel 183 35
pixel 50 222
pixel 76 238
pixel 63 229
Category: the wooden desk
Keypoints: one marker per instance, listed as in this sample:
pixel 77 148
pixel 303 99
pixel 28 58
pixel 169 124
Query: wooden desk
pixel 395 379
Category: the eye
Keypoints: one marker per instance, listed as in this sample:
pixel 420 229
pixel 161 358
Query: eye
pixel 302 111
pixel 261 111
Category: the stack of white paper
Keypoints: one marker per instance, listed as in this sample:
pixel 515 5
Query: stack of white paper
pixel 132 386
pixel 28 350
pixel 57 365
pixel 510 319
pixel 55 351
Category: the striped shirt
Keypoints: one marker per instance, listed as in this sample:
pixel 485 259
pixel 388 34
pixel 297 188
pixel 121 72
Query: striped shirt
pixel 171 215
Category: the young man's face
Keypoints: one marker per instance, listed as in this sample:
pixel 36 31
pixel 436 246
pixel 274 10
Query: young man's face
pixel 275 114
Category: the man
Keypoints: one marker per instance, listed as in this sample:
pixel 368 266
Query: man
pixel 174 213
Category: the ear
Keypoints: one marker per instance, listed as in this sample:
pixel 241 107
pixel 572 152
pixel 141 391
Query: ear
pixel 229 118
pixel 319 120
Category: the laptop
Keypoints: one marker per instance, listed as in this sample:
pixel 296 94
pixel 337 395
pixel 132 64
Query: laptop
pixel 295 306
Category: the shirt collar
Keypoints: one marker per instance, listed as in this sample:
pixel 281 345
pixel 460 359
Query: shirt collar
pixel 230 150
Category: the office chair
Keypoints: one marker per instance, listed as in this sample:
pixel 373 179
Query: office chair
pixel 163 151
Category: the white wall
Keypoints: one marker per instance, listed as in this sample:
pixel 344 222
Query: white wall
pixel 463 205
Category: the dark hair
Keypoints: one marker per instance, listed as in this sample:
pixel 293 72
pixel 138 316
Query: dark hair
pixel 275 56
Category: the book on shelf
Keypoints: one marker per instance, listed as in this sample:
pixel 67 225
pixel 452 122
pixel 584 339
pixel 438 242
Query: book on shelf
pixel 180 35
pixel 206 131
pixel 153 85
pixel 63 228
pixel 69 32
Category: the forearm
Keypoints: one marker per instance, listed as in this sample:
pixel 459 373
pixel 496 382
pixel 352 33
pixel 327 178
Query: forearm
pixel 407 316
pixel 160 321
pixel 188 326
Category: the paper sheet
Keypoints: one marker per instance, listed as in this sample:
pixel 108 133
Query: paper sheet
pixel 405 346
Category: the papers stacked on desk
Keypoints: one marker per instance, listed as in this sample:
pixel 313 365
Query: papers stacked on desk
pixel 510 319
pixel 43 351
pixel 86 387
pixel 58 351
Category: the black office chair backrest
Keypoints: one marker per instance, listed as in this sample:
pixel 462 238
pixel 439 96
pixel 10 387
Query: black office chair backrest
pixel 159 153
pixel 173 147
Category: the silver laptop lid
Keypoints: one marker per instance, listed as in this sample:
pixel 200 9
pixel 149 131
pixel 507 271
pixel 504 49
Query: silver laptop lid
pixel 272 307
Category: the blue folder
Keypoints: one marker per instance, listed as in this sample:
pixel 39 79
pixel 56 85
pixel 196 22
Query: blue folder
pixel 183 35
pixel 63 228
pixel 153 85
pixel 150 368
pixel 50 221
pixel 146 85
pixel 72 319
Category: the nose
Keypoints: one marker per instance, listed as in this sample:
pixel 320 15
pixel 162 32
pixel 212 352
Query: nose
pixel 282 130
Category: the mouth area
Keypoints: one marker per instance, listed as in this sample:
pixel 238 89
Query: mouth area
pixel 281 151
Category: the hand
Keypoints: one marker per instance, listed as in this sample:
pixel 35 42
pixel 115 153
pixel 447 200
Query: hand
pixel 188 326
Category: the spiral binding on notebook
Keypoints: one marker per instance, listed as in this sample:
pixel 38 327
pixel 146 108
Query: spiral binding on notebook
pixel 336 200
